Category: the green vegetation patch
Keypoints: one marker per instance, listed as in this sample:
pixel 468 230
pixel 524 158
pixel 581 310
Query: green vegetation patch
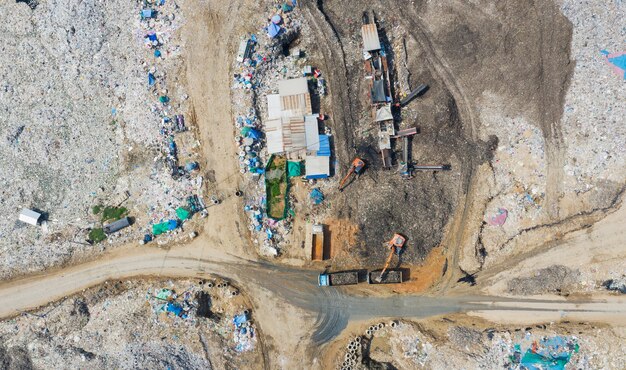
pixel 276 187
pixel 97 235
pixel 96 209
pixel 113 213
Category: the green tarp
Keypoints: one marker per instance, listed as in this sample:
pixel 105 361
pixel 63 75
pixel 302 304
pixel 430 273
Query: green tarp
pixel 294 169
pixel 161 228
pixel 182 213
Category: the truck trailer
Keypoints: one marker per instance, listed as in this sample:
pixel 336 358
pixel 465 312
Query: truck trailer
pixel 338 278
pixel 390 277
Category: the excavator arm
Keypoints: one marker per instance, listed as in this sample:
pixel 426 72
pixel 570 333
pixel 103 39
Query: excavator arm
pixel 345 179
pixel 355 168
pixel 392 251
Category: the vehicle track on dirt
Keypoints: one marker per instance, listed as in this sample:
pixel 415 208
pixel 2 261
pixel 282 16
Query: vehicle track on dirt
pixel 331 308
pixel 440 68
pixel 343 115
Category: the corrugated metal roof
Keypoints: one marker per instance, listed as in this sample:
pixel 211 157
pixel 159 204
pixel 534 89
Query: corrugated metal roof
pixel 273 106
pixel 317 167
pixel 378 92
pixel 293 86
pixel 370 37
pixel 274 141
pixel 312 133
pixel 274 136
pixel 324 150
pixel 296 105
pixel 294 137
pixel 383 114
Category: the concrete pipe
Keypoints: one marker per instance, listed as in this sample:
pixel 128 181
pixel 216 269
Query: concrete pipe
pixel 351 342
pixel 358 345
pixel 393 324
pixel 357 339
pixel 352 351
pixel 353 357
pixel 210 285
pixel 369 332
pixel 381 325
pixel 246 312
pixel 371 328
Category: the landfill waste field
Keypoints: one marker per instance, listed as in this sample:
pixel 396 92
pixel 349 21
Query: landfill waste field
pixel 282 184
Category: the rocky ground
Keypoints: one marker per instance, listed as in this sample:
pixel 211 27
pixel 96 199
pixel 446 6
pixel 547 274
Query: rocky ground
pixel 130 324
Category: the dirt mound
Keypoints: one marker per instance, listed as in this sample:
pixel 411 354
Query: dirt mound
pixel 554 279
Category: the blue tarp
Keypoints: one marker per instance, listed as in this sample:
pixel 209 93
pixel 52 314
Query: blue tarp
pixel 619 62
pixel 147 13
pixel 172 224
pixel 324 150
pixel 254 134
pixel 172 146
pixel 151 79
pixel 316 196
pixel 273 30
pixel 174 308
pixel 190 166
pixel 240 319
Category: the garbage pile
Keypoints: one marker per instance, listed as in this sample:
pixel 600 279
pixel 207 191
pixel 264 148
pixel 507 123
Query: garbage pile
pixel 244 333
pixel 157 20
pixel 259 64
pixel 546 353
pixel 213 304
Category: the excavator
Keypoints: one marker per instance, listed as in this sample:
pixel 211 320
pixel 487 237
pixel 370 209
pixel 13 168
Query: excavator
pixel 395 245
pixel 355 169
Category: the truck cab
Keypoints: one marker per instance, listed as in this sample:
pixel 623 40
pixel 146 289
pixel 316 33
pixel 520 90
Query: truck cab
pixel 323 280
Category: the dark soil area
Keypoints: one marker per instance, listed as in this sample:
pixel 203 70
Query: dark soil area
pixel 380 201
pixel 461 51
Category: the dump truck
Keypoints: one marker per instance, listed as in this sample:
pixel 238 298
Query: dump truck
pixel 317 243
pixel 391 277
pixel 338 278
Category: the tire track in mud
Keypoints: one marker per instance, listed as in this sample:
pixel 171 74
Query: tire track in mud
pixel 550 103
pixel 439 67
pixel 333 54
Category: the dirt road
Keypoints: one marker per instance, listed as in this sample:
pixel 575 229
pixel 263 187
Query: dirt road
pixel 331 309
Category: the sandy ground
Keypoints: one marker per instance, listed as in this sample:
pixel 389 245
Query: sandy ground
pixel 598 252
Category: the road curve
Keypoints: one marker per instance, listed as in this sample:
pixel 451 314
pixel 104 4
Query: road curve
pixel 333 307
